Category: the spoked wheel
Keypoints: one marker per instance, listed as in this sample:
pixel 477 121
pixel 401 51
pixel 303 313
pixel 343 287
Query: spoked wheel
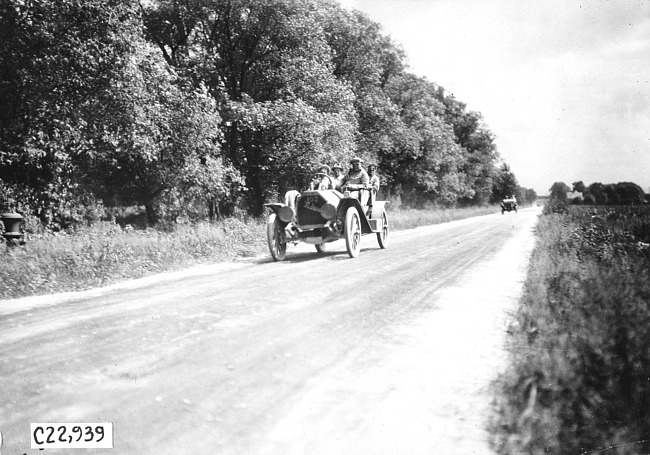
pixel 352 232
pixel 320 248
pixel 276 238
pixel 382 237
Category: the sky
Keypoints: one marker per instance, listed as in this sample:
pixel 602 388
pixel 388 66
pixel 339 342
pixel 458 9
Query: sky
pixel 564 85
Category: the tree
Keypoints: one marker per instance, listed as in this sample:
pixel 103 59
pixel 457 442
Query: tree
pixel 426 161
pixel 526 195
pixel 557 202
pixel 597 190
pixel 57 60
pixel 477 143
pixel 630 193
pixel 579 187
pixel 505 184
pixel 270 69
pixel 559 191
pixel 160 147
pixel 95 110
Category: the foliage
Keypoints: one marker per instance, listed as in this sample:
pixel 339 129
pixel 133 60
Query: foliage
pixel 581 357
pixel 526 196
pixel 579 186
pixel 106 253
pixel 269 66
pixel 58 60
pixel 505 184
pixel 557 202
pixel 479 149
pixel 217 106
pixel 622 193
pixel 427 161
pixel 95 111
pixel 310 63
pixel 161 143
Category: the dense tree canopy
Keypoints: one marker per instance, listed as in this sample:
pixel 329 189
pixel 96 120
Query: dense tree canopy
pixel 625 193
pixel 208 105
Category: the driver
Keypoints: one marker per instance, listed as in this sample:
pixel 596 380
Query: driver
pixel 322 179
pixel 356 178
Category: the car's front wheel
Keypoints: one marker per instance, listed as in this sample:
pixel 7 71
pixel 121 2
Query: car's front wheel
pixel 276 238
pixel 352 232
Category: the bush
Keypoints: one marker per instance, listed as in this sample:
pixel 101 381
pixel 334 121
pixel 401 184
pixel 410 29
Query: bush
pixel 581 343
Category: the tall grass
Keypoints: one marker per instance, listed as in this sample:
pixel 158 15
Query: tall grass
pixel 106 253
pixel 579 380
pixel 411 218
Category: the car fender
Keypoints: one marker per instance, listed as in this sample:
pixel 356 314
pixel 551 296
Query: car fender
pixel 275 206
pixel 345 204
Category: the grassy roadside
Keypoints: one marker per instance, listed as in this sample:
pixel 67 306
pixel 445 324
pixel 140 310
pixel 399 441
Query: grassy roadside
pixel 579 380
pixel 106 253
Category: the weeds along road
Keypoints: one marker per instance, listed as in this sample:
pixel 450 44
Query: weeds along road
pixel 389 353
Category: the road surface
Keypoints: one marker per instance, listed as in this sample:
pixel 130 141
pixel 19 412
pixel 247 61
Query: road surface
pixel 389 353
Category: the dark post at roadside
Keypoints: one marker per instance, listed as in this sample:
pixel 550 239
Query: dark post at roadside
pixel 12 233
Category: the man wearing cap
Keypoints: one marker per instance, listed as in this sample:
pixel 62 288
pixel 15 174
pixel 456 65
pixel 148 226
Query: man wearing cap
pixel 337 177
pixel 356 178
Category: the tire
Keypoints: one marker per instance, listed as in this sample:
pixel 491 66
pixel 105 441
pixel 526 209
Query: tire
pixel 382 237
pixel 502 210
pixel 275 238
pixel 352 232
pixel 320 248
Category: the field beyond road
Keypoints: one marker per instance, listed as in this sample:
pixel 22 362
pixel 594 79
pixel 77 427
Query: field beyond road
pixel 393 352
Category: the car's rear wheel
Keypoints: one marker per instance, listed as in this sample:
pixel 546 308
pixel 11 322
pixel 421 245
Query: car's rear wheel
pixel 382 237
pixel 276 238
pixel 352 232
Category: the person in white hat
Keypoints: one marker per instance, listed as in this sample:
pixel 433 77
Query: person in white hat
pixel 337 176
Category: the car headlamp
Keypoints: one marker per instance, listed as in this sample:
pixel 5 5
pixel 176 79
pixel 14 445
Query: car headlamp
pixel 328 211
pixel 285 213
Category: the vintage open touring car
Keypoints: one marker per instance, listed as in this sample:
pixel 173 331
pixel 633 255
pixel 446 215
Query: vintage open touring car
pixel 318 217
pixel 508 205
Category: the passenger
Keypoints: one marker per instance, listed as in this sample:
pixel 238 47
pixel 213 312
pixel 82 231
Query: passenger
pixel 356 179
pixel 322 180
pixel 373 183
pixel 290 198
pixel 374 178
pixel 337 177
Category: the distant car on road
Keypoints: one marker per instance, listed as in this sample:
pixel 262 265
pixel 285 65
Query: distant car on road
pixel 508 205
pixel 318 217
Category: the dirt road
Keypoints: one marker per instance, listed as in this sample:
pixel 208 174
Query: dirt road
pixel 389 353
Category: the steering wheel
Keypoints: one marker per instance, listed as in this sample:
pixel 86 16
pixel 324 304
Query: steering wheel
pixel 328 178
pixel 354 187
